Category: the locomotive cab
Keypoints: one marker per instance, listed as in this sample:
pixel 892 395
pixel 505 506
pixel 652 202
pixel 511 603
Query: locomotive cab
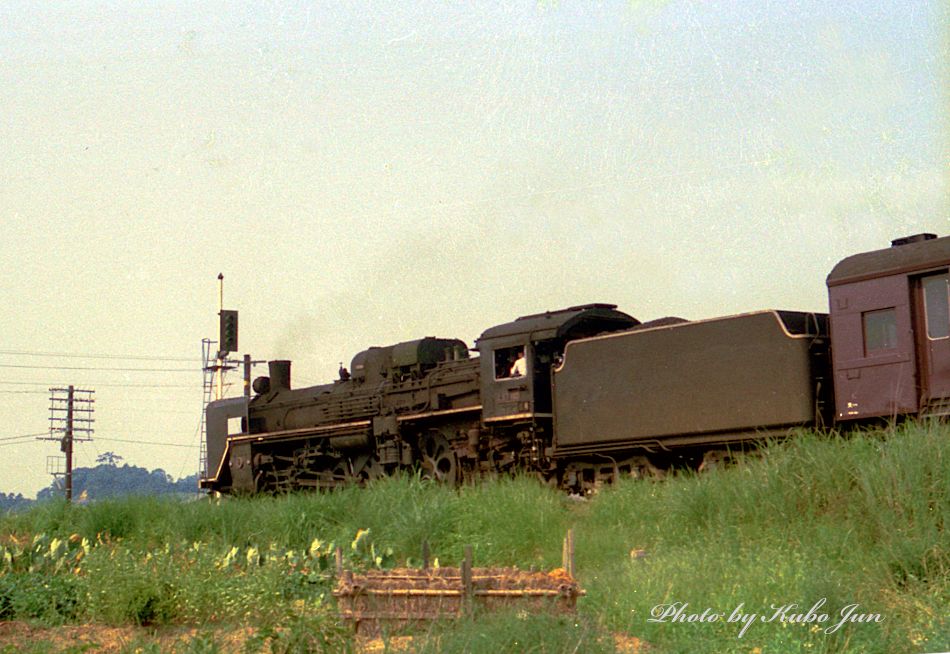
pixel 517 357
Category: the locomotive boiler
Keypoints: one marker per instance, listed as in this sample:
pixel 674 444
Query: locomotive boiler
pixel 582 395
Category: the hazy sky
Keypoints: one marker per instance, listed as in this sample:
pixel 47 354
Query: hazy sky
pixel 368 173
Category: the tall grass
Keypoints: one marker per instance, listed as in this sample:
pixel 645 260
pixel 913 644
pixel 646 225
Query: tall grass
pixel 861 519
pixel 858 519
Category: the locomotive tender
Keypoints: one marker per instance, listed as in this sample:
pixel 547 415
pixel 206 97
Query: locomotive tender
pixel 584 394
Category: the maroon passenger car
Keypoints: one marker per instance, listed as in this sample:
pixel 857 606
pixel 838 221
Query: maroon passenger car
pixel 890 330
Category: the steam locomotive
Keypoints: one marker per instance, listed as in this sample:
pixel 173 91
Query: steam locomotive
pixel 585 394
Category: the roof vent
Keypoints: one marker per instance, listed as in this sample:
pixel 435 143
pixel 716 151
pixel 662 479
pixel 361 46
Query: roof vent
pixel 916 238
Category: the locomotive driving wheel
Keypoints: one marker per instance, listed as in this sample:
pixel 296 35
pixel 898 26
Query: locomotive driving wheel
pixel 371 469
pixel 357 471
pixel 438 461
pixel 342 474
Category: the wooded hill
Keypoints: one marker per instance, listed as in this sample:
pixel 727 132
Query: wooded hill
pixel 108 479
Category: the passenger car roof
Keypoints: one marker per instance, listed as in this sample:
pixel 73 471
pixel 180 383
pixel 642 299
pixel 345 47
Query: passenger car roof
pixel 896 259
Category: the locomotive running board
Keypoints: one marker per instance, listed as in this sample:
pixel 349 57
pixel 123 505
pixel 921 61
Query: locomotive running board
pixel 443 412
pixel 517 416
pixel 289 434
pixel 666 444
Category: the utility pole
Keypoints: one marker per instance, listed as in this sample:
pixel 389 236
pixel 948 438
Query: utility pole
pixel 247 375
pixel 68 443
pixel 70 420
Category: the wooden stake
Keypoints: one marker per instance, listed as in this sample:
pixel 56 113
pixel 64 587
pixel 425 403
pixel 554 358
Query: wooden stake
pixel 564 553
pixel 467 586
pixel 567 552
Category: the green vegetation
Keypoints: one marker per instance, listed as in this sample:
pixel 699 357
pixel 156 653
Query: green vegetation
pixel 14 502
pixel 107 480
pixel 859 520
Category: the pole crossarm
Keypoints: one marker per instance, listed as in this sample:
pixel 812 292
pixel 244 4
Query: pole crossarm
pixel 71 418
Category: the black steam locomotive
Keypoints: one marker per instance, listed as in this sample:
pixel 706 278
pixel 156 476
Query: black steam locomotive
pixel 582 395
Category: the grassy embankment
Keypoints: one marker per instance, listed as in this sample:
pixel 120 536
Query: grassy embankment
pixel 862 519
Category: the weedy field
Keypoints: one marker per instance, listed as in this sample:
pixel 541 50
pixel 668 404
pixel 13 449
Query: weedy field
pixel 831 544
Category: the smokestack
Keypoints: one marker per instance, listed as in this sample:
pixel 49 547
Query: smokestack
pixel 279 375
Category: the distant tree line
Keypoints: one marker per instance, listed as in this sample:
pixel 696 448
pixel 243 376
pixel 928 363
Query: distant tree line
pixel 107 479
pixel 11 502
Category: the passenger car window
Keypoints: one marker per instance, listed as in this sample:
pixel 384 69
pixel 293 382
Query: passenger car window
pixel 937 305
pixel 880 330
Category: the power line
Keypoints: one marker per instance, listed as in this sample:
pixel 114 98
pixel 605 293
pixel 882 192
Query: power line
pixel 10 438
pixel 111 369
pixel 29 438
pixel 136 442
pixel 66 355
pixel 21 441
pixel 155 398
pixel 97 385
pixel 180 433
pixel 197 436
pixel 138 410
pixel 122 399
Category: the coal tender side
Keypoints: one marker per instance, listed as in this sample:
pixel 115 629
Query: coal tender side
pixel 636 400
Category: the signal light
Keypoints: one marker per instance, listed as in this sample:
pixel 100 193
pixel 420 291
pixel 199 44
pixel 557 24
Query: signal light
pixel 228 337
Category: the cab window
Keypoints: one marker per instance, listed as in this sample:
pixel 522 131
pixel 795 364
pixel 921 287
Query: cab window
pixel 510 362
